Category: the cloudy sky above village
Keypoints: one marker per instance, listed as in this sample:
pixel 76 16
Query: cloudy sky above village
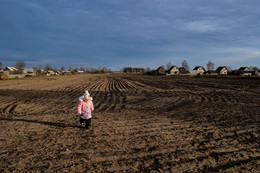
pixel 135 33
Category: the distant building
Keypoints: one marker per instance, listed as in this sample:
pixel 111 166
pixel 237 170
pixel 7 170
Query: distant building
pixel 211 72
pixel 244 69
pixel 10 70
pixel 242 73
pixel 80 72
pixel 182 70
pixel 29 72
pixel 173 70
pixel 198 70
pixel 160 71
pixel 50 73
pixel 222 70
pixel 13 72
pixel 134 70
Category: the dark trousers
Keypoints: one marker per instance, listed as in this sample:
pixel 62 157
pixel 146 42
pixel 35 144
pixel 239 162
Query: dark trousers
pixel 87 121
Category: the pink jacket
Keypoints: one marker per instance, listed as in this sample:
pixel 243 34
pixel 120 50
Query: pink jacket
pixel 85 108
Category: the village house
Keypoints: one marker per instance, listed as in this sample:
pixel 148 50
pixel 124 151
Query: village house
pixel 133 70
pixel 198 70
pixel 173 70
pixel 222 70
pixel 244 69
pixel 140 70
pixel 10 70
pixel 211 72
pixel 50 73
pixel 40 72
pixel 182 70
pixel 29 72
pixel 242 73
pixel 160 71
pixel 81 72
pixel 13 72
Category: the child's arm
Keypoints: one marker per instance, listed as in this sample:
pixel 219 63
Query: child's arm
pixel 81 98
pixel 92 106
pixel 79 107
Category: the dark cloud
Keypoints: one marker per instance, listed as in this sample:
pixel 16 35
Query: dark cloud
pixel 118 33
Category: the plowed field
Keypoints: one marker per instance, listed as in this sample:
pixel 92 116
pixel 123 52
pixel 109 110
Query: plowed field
pixel 140 124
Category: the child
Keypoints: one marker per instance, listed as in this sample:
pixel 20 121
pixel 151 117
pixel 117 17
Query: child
pixel 81 98
pixel 84 110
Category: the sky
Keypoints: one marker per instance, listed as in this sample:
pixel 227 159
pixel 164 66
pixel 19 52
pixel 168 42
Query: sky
pixel 129 33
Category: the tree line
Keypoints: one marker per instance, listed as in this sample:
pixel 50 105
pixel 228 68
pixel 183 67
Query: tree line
pixel 210 66
pixel 20 65
pixel 185 65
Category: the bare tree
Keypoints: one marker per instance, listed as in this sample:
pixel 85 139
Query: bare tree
pixel 76 69
pixel 104 70
pixel 62 69
pixel 20 65
pixel 169 65
pixel 210 65
pixel 229 68
pixel 1 65
pixel 71 69
pixel 163 66
pixel 39 67
pixel 97 70
pixel 47 67
pixel 254 68
pixel 185 65
pixel 82 69
pixel 35 69
pixel 88 70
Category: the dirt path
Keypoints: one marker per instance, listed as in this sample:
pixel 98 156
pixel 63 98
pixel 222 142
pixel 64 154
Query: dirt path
pixel 140 124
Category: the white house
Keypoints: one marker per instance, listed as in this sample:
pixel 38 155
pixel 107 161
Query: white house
pixel 222 70
pixel 197 70
pixel 12 72
pixel 173 70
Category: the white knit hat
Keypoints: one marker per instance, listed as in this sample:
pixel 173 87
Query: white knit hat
pixel 86 95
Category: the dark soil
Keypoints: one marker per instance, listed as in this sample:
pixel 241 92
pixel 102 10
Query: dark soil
pixel 140 124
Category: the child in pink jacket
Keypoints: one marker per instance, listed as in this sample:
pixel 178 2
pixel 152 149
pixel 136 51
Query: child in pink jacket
pixel 85 107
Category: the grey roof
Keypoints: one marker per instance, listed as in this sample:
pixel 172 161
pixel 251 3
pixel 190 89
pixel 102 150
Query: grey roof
pixel 11 68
